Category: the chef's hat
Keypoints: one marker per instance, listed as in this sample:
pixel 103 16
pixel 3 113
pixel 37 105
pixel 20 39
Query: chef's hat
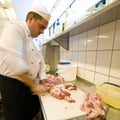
pixel 41 10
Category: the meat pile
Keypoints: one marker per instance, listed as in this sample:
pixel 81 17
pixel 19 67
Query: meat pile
pixel 60 90
pixel 51 79
pixel 93 106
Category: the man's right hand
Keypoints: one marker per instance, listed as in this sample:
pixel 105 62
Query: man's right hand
pixel 39 89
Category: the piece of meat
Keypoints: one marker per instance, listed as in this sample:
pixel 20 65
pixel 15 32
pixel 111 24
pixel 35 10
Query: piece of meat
pixel 92 105
pixel 60 93
pixel 59 90
pixel 70 86
pixel 51 79
pixel 69 99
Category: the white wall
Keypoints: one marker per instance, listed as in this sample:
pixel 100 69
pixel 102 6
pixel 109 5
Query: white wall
pixel 96 53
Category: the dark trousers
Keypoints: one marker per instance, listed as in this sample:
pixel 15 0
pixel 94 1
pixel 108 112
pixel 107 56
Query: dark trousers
pixel 18 102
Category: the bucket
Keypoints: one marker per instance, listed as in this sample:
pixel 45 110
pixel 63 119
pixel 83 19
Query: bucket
pixel 68 72
pixel 110 93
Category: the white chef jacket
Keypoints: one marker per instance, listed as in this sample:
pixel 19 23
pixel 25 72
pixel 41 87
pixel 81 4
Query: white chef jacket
pixel 18 54
pixel 38 44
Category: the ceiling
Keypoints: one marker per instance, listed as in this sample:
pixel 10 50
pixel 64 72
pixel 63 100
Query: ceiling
pixel 18 10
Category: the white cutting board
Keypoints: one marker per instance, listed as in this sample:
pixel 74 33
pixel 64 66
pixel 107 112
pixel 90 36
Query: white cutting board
pixel 56 109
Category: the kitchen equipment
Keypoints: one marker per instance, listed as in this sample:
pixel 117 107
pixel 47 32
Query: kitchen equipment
pixel 110 93
pixel 47 68
pixel 55 109
pixel 67 71
pixel 64 63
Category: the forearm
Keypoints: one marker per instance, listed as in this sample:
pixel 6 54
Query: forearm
pixel 27 80
pixel 35 88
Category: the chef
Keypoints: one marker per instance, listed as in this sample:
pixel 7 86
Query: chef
pixel 21 64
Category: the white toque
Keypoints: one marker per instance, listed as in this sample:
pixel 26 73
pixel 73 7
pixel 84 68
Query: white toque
pixel 41 10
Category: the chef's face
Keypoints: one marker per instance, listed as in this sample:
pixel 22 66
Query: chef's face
pixel 37 26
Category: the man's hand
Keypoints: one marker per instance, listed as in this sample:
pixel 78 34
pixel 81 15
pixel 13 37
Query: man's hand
pixel 43 81
pixel 39 89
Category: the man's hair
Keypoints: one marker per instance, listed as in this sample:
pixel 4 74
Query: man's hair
pixel 35 15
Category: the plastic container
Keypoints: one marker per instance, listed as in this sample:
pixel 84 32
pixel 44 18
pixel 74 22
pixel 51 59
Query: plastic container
pixel 58 27
pixel 110 93
pixel 68 71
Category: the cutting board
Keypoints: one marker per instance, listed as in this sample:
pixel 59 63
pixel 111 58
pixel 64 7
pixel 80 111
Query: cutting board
pixel 55 109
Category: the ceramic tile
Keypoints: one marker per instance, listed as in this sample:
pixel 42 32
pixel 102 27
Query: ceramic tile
pixel 89 75
pixel 115 65
pixel 90 60
pixel 82 42
pixel 117 36
pixel 74 57
pixel 75 42
pixel 106 35
pixel 81 73
pixel 63 56
pixel 81 59
pixel 103 62
pixel 114 80
pixel 68 56
pixel 71 43
pixel 92 39
pixel 100 78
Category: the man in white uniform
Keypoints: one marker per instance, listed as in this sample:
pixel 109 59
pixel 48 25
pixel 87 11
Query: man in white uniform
pixel 21 64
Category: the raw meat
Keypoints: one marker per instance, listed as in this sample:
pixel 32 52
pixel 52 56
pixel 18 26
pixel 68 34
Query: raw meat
pixel 59 92
pixel 70 86
pixel 54 80
pixel 92 105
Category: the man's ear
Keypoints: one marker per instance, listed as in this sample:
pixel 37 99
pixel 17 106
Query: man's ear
pixel 30 17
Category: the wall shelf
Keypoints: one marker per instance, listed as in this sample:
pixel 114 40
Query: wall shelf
pixel 103 15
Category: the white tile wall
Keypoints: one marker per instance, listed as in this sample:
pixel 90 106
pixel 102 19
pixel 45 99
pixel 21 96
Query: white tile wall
pixel 100 78
pixel 97 53
pixel 90 60
pixel 71 41
pixel 82 41
pixel 92 39
pixel 74 57
pixel 81 73
pixel 117 36
pixel 106 36
pixel 89 75
pixel 81 59
pixel 103 62
pixel 75 43
pixel 114 80
pixel 115 65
